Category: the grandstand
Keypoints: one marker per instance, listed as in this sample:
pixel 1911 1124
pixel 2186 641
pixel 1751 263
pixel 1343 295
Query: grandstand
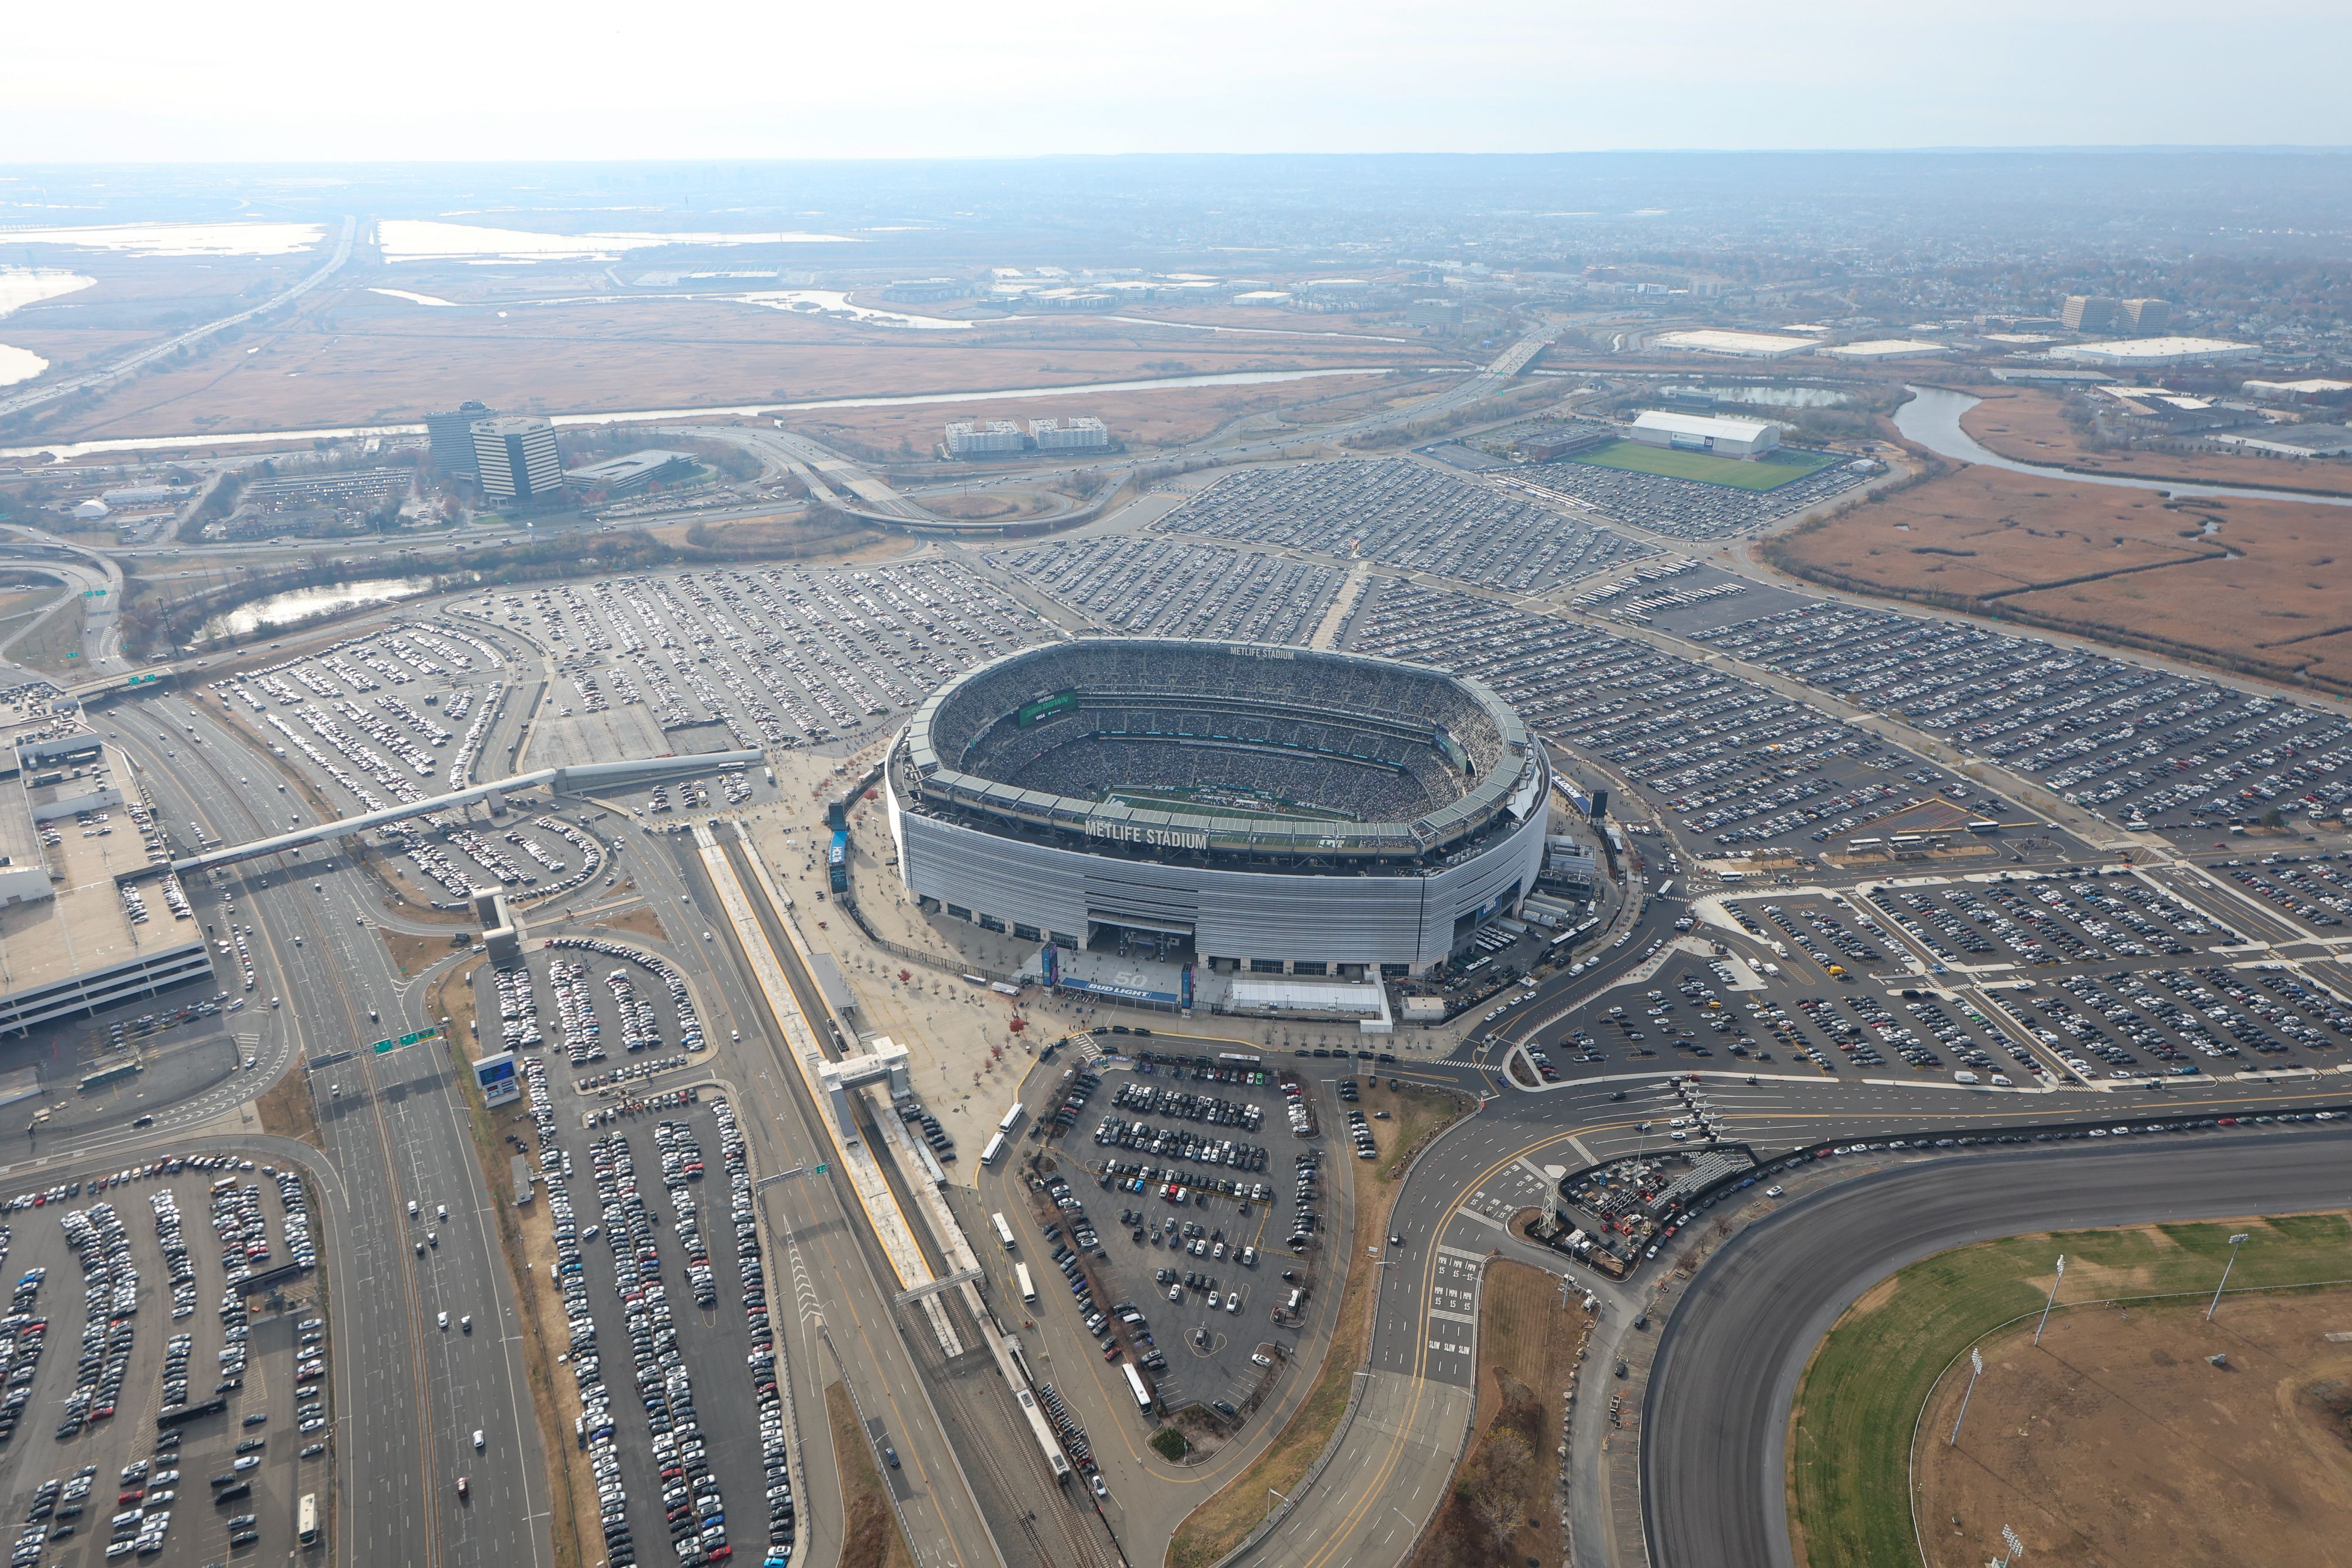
pixel 1258 781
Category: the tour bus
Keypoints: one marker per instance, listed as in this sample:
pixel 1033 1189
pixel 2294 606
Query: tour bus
pixel 1012 1119
pixel 995 1147
pixel 1028 1292
pixel 1004 1231
pixel 1135 1386
pixel 307 1525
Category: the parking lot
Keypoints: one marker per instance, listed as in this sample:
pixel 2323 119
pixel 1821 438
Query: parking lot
pixel 1197 1208
pixel 1158 587
pixel 614 1014
pixel 1745 769
pixel 758 656
pixel 180 1412
pixel 1405 514
pixel 393 717
pixel 2144 747
pixel 1688 509
pixel 670 1349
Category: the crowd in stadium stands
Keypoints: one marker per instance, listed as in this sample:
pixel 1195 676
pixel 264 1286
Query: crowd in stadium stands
pixel 1087 766
pixel 1156 680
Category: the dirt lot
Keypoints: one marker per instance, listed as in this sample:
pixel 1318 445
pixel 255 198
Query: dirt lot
pixel 2259 585
pixel 347 356
pixel 641 920
pixel 2030 428
pixel 1527 1353
pixel 2117 1442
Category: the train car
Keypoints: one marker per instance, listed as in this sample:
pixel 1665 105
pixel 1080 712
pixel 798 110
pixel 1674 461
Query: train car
pixel 1043 1434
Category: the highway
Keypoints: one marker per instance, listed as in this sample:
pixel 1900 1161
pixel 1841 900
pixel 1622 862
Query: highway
pixel 1716 1412
pixel 50 391
pixel 408 1397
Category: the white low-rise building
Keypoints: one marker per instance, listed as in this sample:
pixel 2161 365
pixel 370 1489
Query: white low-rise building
pixel 1705 433
pixel 2152 353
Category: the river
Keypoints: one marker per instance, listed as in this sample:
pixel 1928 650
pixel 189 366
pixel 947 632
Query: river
pixel 1932 418
pixel 296 605
pixel 65 450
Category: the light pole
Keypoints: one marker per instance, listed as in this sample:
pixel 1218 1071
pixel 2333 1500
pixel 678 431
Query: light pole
pixel 2016 1548
pixel 2053 1299
pixel 1976 1363
pixel 2235 1242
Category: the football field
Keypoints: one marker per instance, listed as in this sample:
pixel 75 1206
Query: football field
pixel 1764 474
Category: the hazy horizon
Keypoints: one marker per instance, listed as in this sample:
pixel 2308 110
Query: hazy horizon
pixel 929 80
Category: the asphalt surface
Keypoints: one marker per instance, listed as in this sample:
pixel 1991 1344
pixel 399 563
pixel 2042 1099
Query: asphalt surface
pixel 395 1133
pixel 1715 1486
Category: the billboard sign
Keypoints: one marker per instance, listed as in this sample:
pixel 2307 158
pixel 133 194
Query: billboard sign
pixel 495 1076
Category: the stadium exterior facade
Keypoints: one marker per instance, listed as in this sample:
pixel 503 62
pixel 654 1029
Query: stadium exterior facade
pixel 1253 894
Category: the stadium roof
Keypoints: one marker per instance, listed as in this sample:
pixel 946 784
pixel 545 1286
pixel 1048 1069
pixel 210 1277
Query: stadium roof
pixel 943 781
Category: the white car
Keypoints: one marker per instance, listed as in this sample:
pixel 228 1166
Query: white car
pixel 478 1439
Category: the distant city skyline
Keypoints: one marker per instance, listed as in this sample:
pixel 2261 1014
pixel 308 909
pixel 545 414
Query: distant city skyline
pixel 271 80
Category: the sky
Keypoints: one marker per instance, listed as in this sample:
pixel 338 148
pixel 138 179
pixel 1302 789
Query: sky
pixel 275 81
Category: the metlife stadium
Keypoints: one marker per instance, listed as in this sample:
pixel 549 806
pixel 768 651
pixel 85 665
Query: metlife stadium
pixel 1253 808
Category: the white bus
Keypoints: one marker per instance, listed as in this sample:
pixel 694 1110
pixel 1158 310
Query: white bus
pixel 1004 1231
pixel 1012 1119
pixel 307 1526
pixel 1135 1386
pixel 1021 1278
pixel 995 1147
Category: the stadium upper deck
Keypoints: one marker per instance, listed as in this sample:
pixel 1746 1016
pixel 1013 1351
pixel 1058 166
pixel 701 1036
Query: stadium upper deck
pixel 1217 750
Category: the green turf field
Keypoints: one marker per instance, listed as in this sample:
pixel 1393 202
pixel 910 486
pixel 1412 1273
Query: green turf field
pixel 1765 474
pixel 1851 1431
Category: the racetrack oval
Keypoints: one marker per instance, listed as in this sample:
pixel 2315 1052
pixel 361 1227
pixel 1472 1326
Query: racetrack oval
pixel 1715 1416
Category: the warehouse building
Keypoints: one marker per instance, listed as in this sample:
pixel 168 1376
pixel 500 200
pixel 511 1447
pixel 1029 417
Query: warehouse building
pixel 2312 389
pixel 77 932
pixel 1877 349
pixel 2292 440
pixel 1725 437
pixel 2156 353
pixel 1737 345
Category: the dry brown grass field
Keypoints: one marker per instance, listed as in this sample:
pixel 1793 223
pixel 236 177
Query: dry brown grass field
pixel 349 356
pixel 2118 1441
pixel 2264 586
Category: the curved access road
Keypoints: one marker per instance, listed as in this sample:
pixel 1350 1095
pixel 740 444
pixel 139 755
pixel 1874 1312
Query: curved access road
pixel 1717 1413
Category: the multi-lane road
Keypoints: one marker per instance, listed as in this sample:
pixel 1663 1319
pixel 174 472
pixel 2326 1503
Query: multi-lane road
pixel 1717 1413
pixel 408 1397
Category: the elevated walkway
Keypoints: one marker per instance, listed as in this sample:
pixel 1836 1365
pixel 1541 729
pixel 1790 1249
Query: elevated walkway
pixel 562 781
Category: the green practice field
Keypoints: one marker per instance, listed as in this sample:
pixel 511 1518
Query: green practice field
pixel 1765 474
pixel 1851 1430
